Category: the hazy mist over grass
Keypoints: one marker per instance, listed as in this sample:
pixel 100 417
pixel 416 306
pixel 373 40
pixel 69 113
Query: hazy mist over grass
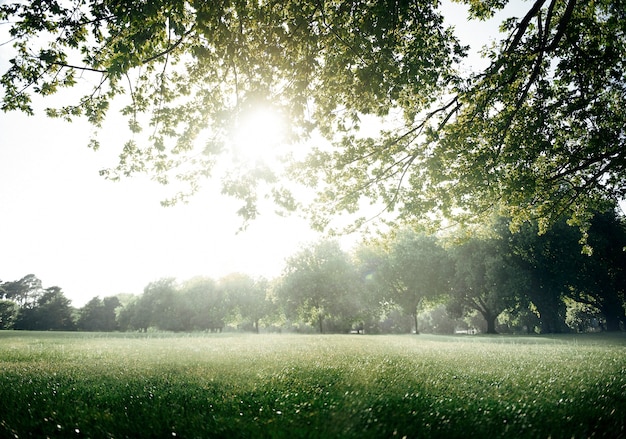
pixel 227 385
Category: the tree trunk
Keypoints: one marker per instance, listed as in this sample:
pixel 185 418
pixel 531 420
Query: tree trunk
pixel 320 320
pixel 613 312
pixel 551 311
pixel 256 326
pixel 491 323
pixel 612 321
pixel 415 319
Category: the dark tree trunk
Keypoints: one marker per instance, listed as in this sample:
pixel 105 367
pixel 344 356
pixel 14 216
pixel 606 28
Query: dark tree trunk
pixel 491 323
pixel 320 320
pixel 612 321
pixel 613 312
pixel 415 321
pixel 551 311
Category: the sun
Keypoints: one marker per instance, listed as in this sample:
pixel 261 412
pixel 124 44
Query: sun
pixel 258 134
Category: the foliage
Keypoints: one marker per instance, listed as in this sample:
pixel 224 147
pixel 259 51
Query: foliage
pixel 319 283
pixel 484 280
pixel 206 304
pixel 99 315
pixel 8 314
pixel 582 317
pixel 601 277
pixel 311 386
pixel 25 292
pixel 522 282
pixel 248 296
pixel 538 133
pixel 52 311
pixel 556 269
pixel 416 268
pixel 437 320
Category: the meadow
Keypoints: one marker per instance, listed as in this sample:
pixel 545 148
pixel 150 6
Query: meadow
pixel 310 386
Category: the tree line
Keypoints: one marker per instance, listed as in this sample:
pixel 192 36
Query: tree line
pixel 493 281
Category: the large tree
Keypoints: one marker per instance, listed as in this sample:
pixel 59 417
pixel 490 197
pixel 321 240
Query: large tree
pixel 537 133
pixel 597 279
pixel 601 278
pixel 484 280
pixel 25 292
pixel 99 314
pixel 319 284
pixel 51 311
pixel 247 297
pixel 8 313
pixel 206 304
pixel 417 268
pixel 551 263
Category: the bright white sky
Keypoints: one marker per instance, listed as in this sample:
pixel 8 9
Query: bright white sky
pixel 61 221
pixel 71 228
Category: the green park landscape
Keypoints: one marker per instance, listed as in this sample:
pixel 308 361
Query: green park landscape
pixel 476 148
pixel 306 386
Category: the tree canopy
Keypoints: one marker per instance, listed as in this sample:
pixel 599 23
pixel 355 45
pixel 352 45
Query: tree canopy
pixel 538 133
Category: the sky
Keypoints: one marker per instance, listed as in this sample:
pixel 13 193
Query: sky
pixel 70 227
pixel 63 222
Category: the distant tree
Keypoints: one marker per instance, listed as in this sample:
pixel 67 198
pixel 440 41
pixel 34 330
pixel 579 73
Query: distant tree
pixel 52 311
pixel 134 315
pixel 90 315
pixel 318 285
pixel 369 259
pixel 109 319
pixel 98 315
pixel 206 305
pixel 160 300
pixel 8 313
pixel 417 268
pixel 248 296
pixel 159 306
pixel 582 317
pixel 484 280
pixel 437 320
pixel 25 292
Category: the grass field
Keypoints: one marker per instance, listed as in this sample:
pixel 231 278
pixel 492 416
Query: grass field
pixel 296 386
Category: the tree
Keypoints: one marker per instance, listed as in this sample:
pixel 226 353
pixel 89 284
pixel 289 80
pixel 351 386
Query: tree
pixel 109 313
pixel 318 284
pixel 99 315
pixel 247 296
pixel 538 133
pixel 599 278
pixel 25 292
pixel 52 311
pixel 8 313
pixel 135 315
pixel 484 280
pixel 161 303
pixel 417 268
pixel 550 262
pixel 206 303
pixel 369 259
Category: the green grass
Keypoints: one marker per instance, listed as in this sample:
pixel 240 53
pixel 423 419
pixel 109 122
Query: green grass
pixel 121 385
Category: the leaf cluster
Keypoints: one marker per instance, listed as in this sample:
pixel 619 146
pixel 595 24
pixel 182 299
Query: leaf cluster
pixel 537 134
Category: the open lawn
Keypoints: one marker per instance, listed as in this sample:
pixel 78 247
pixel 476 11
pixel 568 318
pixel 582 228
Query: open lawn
pixel 296 386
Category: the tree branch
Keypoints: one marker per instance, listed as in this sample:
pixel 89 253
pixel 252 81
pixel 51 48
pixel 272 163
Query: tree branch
pixel 560 31
pixel 70 66
pixel 171 48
